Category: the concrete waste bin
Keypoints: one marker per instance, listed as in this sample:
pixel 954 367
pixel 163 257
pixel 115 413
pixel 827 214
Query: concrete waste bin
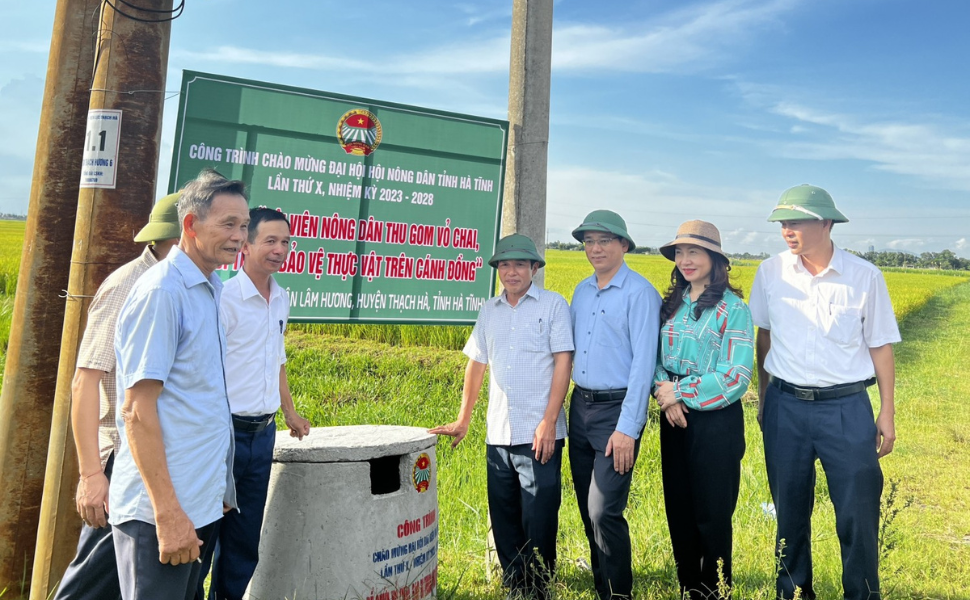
pixel 352 513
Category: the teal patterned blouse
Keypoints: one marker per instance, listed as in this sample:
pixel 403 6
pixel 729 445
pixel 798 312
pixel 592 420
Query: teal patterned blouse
pixel 714 354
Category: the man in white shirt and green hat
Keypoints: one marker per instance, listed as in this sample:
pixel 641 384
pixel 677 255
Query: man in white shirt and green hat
pixel 524 337
pixel 826 329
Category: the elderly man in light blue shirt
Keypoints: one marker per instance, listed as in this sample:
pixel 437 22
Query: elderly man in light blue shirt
pixel 173 474
pixel 523 336
pixel 616 324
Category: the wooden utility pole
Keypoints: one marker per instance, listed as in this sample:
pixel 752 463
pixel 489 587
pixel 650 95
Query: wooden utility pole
pixel 524 202
pixel 26 401
pixel 129 77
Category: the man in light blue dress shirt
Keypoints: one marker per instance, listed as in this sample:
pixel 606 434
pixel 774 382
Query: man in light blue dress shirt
pixel 524 337
pixel 173 472
pixel 616 323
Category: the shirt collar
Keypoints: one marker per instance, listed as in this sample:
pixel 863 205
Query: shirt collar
pixel 191 274
pixel 247 288
pixel 836 263
pixel 618 278
pixel 532 292
pixel 148 257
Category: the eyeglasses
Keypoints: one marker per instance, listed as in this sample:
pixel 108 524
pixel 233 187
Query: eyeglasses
pixel 602 243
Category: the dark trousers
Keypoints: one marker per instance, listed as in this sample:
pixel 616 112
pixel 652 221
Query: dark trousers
pixel 602 494
pixel 237 547
pixel 93 573
pixel 523 500
pixel 841 433
pixel 142 576
pixel 701 476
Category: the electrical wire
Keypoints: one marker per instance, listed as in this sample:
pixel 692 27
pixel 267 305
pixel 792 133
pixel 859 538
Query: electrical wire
pixel 173 13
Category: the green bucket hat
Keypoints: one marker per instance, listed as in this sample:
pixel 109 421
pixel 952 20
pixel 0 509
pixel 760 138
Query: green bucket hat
pixel 605 221
pixel 163 223
pixel 806 203
pixel 515 247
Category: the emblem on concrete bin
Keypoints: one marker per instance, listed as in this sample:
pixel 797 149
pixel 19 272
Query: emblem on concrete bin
pixel 421 474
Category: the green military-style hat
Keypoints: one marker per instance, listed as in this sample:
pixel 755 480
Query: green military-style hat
pixel 606 221
pixel 163 223
pixel 806 203
pixel 515 247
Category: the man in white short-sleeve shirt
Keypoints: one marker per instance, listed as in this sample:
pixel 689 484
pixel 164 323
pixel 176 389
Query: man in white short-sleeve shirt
pixel 254 311
pixel 524 337
pixel 826 329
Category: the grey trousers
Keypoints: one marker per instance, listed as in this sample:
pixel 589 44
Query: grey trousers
pixel 602 494
pixel 142 576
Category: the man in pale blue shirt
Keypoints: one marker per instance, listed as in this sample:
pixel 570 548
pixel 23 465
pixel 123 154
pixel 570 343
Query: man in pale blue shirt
pixel 616 324
pixel 524 337
pixel 173 473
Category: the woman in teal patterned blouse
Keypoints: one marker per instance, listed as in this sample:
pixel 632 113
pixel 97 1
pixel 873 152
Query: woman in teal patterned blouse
pixel 704 367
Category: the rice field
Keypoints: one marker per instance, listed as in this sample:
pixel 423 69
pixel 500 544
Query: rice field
pixel 412 375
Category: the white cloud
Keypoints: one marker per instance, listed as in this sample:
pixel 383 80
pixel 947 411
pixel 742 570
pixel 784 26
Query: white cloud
pixel 909 244
pixel 655 203
pixel 693 37
pixel 961 244
pixel 927 150
pixel 689 38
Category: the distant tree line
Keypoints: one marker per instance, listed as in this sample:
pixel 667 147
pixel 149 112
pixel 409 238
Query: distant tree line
pixel 945 260
pixel 576 246
pixel 11 217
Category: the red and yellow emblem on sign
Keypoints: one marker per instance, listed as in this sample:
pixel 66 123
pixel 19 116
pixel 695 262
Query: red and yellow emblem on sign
pixel 359 132
pixel 421 474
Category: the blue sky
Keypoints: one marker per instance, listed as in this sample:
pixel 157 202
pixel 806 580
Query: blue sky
pixel 663 111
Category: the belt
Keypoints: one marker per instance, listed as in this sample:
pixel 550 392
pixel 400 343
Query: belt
pixel 599 395
pixel 675 377
pixel 252 424
pixel 821 393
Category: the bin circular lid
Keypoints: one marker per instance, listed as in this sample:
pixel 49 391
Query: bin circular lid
pixel 351 443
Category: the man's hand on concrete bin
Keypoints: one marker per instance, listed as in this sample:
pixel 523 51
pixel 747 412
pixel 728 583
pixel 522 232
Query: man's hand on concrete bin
pixel 457 430
pixel 298 426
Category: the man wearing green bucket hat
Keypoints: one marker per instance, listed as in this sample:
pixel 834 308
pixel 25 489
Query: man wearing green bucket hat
pixel 92 573
pixel 524 337
pixel 826 329
pixel 616 322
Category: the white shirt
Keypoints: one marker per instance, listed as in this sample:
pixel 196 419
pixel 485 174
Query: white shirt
pixel 254 344
pixel 822 326
pixel 517 343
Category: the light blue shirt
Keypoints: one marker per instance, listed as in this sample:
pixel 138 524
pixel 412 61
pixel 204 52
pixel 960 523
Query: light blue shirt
pixel 615 330
pixel 517 343
pixel 169 331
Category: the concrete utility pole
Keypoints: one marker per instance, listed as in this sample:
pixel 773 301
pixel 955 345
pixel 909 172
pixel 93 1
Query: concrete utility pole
pixel 526 163
pixel 129 76
pixel 524 203
pixel 38 313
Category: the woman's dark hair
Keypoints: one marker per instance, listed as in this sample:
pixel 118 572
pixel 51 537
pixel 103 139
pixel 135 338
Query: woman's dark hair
pixel 711 295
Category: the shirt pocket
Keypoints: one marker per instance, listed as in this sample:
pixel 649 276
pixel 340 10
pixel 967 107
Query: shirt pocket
pixel 845 325
pixel 535 337
pixel 613 329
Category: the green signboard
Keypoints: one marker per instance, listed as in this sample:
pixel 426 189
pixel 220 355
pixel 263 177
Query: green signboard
pixel 394 209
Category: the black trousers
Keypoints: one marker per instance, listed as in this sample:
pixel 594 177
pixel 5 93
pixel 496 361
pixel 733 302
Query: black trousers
pixel 602 494
pixel 523 499
pixel 701 475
